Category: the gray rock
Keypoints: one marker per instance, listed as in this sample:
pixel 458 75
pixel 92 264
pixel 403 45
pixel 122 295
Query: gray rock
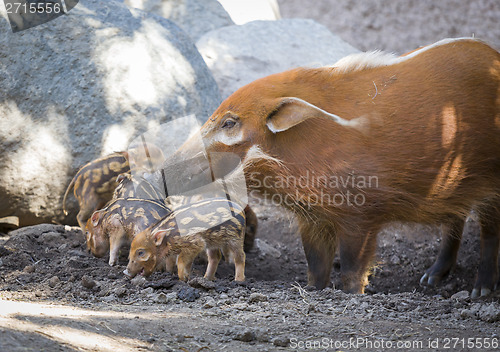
pixel 201 282
pixel 460 296
pixel 188 294
pixel 195 17
pixel 490 312
pixel 281 341
pixel 209 303
pixel 244 336
pixel 139 280
pixel 257 297
pixel 266 249
pixel 88 282
pixel 401 25
pixel 84 85
pixel 395 260
pixel 244 11
pixel 161 298
pixel 238 55
pixel 53 281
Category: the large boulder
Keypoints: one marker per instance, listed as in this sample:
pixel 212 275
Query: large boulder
pixel 403 25
pixel 195 17
pixel 238 55
pixel 84 85
pixel 244 11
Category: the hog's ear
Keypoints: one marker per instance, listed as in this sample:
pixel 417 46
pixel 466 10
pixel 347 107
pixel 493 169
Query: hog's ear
pixel 96 216
pixel 159 236
pixel 292 111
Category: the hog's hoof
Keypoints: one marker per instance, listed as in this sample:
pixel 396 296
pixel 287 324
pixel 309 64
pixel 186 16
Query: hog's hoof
pixel 477 293
pixel 430 280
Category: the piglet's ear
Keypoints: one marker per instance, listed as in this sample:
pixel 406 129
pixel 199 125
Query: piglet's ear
pixel 96 216
pixel 159 236
pixel 121 177
pixel 291 111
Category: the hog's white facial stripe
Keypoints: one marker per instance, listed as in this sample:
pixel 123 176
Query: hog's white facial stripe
pixel 222 137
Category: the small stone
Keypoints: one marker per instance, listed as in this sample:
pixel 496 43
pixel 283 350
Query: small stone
pixel 245 336
pixel 490 313
pixel 120 291
pixel 171 297
pixel 108 298
pixel 139 280
pixel 1 262
pixel 53 281
pixel 209 303
pixel 148 291
pixel 281 341
pixel 223 296
pixel 88 282
pixel 29 269
pixel 161 298
pixel 201 282
pixel 395 260
pixel 257 297
pixel 188 294
pixel 460 296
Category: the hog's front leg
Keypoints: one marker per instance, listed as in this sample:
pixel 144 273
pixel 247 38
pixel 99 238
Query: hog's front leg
pixel 356 256
pixel 319 248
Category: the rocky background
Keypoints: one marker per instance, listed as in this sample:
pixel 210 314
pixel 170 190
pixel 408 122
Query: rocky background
pixel 402 25
pixel 89 82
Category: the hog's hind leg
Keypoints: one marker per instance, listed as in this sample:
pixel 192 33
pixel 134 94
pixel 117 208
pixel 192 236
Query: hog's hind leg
pixel 447 256
pixel 487 274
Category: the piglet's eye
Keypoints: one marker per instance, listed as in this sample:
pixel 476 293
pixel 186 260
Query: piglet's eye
pixel 229 123
pixel 140 253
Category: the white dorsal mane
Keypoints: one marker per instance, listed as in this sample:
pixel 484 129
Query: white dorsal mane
pixel 361 61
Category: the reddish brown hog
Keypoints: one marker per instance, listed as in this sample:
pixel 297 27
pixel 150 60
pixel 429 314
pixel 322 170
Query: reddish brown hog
pixel 94 184
pixel 373 139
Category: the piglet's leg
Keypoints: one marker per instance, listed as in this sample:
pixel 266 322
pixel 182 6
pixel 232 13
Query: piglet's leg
pixel 356 255
pixel 170 263
pixel 190 249
pixel 214 257
pixel 113 253
pixel 239 264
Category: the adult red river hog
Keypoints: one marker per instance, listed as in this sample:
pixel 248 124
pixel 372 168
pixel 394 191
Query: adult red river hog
pixel 372 139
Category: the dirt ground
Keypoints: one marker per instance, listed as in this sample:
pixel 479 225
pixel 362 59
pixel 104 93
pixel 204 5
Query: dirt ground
pixel 54 296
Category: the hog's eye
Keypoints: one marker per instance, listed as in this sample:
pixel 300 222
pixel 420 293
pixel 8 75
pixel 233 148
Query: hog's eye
pixel 140 253
pixel 229 123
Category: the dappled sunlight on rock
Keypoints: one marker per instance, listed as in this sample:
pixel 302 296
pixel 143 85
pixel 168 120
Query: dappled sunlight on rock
pixel 41 146
pixel 137 73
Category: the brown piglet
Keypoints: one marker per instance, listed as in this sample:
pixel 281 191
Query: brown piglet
pixel 116 225
pixel 214 225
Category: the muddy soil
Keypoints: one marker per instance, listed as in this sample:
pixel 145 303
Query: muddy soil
pixel 54 296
